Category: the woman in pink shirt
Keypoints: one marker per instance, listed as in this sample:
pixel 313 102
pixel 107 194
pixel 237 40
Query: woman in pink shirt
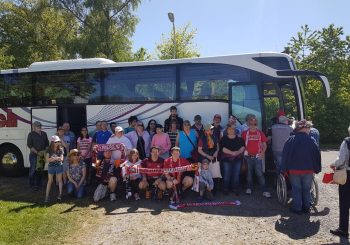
pixel 84 143
pixel 162 141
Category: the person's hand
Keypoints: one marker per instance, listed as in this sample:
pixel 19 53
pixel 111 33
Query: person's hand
pixel 175 182
pixel 261 156
pixel 76 185
pixel 211 158
pixel 234 153
pixel 215 154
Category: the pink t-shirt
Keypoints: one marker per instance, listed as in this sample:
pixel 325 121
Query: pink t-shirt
pixel 162 141
pixel 85 147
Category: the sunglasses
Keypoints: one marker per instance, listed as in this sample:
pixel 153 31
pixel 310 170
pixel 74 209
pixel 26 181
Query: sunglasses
pixel 186 124
pixel 75 154
pixel 140 125
pixel 58 142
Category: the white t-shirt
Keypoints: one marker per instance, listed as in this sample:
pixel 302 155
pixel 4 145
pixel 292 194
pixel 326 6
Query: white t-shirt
pixel 114 139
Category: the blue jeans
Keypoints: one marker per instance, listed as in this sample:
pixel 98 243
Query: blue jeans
pixel 34 176
pixel 255 165
pixel 301 187
pixel 231 171
pixel 71 190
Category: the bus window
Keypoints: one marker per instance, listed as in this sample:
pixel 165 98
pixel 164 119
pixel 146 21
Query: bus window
pixel 140 84
pixel 17 90
pixel 272 103
pixel 63 87
pixel 245 100
pixel 289 100
pixel 209 81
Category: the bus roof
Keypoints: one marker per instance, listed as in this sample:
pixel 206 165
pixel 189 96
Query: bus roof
pixel 244 60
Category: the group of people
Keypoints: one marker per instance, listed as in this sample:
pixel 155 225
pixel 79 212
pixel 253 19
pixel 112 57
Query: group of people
pixel 176 144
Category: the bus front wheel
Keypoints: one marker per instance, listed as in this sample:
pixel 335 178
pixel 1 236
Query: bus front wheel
pixel 11 161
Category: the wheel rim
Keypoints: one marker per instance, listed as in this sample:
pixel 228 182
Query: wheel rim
pixel 281 190
pixel 8 160
pixel 314 192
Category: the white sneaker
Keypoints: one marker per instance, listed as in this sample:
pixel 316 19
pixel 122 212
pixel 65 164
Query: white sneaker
pixel 266 194
pixel 113 197
pixel 248 191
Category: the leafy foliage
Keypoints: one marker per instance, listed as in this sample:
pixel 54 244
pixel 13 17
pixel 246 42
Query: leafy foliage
pixel 184 44
pixel 327 51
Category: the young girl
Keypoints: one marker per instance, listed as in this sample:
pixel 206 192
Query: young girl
pixel 84 143
pixel 134 179
pixel 55 166
pixel 76 174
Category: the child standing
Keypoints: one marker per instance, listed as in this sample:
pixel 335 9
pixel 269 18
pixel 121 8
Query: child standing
pixel 55 166
pixel 206 183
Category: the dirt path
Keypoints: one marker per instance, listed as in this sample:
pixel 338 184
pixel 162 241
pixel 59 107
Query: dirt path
pixel 257 220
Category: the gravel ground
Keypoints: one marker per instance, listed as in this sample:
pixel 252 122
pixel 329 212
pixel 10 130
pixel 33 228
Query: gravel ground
pixel 257 221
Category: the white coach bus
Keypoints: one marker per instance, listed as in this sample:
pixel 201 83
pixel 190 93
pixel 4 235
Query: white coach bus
pixel 86 90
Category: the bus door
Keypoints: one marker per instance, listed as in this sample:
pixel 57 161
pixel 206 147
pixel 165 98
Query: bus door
pixel 245 99
pixel 47 116
pixel 75 115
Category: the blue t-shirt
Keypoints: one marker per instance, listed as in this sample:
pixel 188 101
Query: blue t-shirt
pixel 101 137
pixel 185 145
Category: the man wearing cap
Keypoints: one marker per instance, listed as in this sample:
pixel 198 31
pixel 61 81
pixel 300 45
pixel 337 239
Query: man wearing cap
pixel 280 133
pixel 217 129
pixel 173 116
pixel 301 158
pixel 198 126
pixel 37 141
pixel 119 137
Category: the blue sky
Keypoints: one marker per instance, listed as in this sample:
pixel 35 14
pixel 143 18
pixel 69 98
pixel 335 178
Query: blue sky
pixel 232 27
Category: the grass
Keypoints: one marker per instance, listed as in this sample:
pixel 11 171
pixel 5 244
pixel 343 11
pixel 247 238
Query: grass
pixel 28 223
pixel 24 219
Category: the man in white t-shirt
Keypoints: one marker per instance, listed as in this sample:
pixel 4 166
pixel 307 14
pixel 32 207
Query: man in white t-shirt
pixel 119 137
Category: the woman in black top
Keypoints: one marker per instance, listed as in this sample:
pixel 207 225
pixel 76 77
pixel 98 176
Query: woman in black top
pixel 232 148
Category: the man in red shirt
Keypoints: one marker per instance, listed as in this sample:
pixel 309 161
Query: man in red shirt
pixel 154 162
pixel 173 179
pixel 255 141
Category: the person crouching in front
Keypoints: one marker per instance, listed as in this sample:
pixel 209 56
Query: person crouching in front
pixel 106 175
pixel 76 174
pixel 153 179
pixel 133 179
pixel 206 183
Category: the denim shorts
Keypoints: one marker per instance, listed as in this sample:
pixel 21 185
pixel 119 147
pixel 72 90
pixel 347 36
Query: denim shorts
pixel 55 168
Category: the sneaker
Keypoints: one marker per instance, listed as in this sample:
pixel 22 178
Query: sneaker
pixel 113 197
pixel 248 191
pixel 59 198
pixel 137 196
pixel 266 194
pixel 47 200
pixel 338 232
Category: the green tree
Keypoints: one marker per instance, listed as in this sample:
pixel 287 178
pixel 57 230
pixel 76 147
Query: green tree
pixel 33 31
pixel 141 55
pixel 105 26
pixel 5 60
pixel 184 44
pixel 327 51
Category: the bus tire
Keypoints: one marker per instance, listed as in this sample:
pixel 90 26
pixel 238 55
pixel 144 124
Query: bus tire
pixel 11 161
